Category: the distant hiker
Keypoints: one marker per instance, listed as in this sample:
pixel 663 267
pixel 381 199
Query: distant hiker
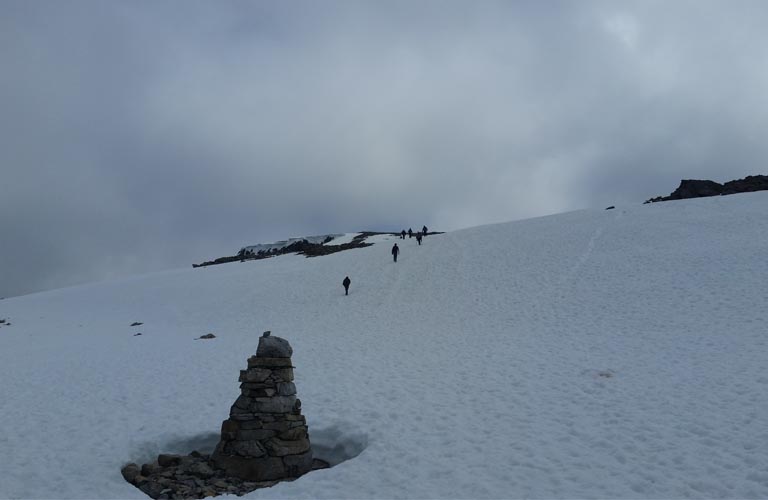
pixel 410 233
pixel 418 238
pixel 424 230
pixel 395 251
pixel 402 234
pixel 346 284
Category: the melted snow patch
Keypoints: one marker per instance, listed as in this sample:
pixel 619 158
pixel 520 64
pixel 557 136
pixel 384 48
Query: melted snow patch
pixel 337 443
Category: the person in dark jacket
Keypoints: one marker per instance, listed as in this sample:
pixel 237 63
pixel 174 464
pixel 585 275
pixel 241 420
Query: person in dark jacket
pixel 395 251
pixel 410 233
pixel 424 230
pixel 346 284
pixel 402 234
pixel 418 238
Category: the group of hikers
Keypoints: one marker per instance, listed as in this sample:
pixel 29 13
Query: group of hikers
pixel 410 234
pixel 395 251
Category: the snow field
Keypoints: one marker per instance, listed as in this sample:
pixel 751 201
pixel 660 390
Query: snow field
pixel 590 354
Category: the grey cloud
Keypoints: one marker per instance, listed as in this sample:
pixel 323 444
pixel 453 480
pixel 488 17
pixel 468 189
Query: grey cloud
pixel 141 135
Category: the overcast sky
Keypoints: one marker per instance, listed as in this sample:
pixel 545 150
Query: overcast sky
pixel 144 135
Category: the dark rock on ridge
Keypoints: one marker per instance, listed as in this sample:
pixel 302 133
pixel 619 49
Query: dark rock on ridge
pixel 302 247
pixel 746 185
pixel 694 188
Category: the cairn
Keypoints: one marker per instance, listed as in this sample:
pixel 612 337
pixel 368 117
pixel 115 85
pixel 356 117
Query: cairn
pixel 265 437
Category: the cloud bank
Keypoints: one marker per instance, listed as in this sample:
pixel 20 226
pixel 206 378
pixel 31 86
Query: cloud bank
pixel 138 136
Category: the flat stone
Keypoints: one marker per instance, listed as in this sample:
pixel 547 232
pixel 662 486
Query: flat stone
pixel 240 415
pixel 201 470
pixel 248 449
pixel 244 402
pixel 208 492
pixel 251 469
pixel 167 460
pixel 286 388
pixel 131 472
pixel 260 393
pixel 318 464
pixel 294 433
pixel 277 404
pixel 279 447
pixel 149 469
pixel 273 347
pixel 254 386
pixel 152 488
pixel 283 374
pixel 256 362
pixel 255 435
pixel 249 425
pixel 296 465
pixel 230 426
pixel 255 374
pixel 282 426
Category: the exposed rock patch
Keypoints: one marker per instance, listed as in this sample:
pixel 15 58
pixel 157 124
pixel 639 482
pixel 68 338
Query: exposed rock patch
pixel 694 188
pixel 191 476
pixel 302 247
pixel 206 336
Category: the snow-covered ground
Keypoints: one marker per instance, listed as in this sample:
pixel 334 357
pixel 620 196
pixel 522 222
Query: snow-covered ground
pixel 590 354
pixel 341 239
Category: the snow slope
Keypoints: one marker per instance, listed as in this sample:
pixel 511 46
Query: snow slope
pixel 590 354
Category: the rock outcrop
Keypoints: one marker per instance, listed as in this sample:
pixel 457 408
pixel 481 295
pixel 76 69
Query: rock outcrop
pixel 693 188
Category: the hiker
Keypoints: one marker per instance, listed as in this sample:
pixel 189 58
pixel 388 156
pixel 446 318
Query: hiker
pixel 346 284
pixel 410 233
pixel 395 251
pixel 402 234
pixel 418 238
pixel 424 230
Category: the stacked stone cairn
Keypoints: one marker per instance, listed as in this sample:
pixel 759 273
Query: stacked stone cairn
pixel 265 437
pixel 263 442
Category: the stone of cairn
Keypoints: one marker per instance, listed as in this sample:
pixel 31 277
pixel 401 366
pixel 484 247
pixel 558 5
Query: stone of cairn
pixel 265 437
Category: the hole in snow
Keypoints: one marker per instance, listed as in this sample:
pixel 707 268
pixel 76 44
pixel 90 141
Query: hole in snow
pixel 204 443
pixel 183 467
pixel 337 443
